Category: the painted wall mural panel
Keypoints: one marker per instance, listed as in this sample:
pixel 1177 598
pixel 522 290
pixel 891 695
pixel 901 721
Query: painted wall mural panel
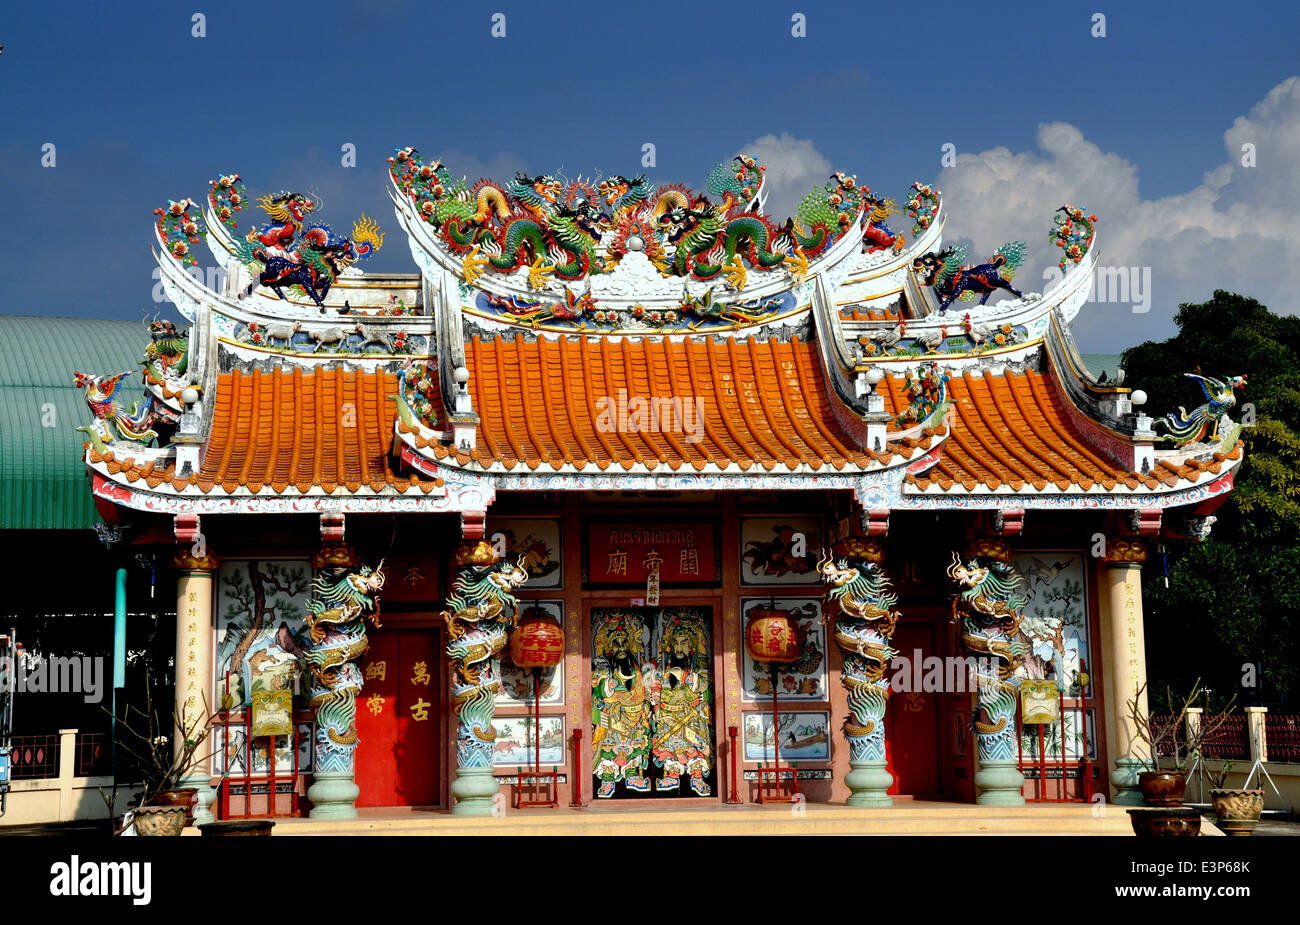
pixel 517 683
pixel 515 742
pixel 1055 625
pixel 802 679
pixel 261 628
pixel 652 702
pixel 780 550
pixel 1052 738
pixel 230 752
pixel 804 736
pixel 538 541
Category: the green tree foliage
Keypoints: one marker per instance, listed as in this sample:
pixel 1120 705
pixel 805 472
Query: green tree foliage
pixel 1234 598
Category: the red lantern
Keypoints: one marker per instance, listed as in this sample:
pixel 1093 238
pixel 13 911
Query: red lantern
pixel 537 642
pixel 772 635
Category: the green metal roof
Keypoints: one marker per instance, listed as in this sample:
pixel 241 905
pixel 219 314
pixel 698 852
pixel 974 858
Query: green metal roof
pixel 43 483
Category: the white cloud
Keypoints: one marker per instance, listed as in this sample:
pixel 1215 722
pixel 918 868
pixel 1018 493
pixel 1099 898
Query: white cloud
pixel 794 167
pixel 1235 230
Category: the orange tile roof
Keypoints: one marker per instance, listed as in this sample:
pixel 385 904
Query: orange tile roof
pixel 1014 430
pixel 330 428
pixel 763 403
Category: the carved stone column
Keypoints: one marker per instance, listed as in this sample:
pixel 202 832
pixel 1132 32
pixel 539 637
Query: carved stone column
pixel 864 624
pixel 1126 662
pixel 194 664
pixel 479 616
pixel 988 608
pixel 343 598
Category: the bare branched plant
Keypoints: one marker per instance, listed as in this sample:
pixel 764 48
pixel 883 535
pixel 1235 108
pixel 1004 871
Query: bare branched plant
pixel 140 735
pixel 1169 733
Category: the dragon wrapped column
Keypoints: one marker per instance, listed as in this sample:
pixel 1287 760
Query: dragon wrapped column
pixel 343 598
pixel 988 609
pixel 480 613
pixel 864 624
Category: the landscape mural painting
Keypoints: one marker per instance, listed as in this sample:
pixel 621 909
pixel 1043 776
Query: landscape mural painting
pixel 804 736
pixel 514 746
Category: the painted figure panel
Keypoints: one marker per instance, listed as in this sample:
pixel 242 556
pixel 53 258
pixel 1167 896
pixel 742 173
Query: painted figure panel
pixel 652 702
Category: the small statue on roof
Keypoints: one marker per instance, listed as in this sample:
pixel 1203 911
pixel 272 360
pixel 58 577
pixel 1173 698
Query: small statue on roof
pixel 1191 427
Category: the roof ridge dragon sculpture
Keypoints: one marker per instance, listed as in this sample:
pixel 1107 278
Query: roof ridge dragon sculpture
pixel 574 229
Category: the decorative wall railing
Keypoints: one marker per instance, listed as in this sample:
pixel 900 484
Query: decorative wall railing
pixel 34 757
pixel 1228 741
pixel 1282 735
pixel 94 754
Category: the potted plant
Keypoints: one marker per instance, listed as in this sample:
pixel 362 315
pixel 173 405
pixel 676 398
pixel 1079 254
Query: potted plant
pixel 1236 811
pixel 1171 743
pixel 166 806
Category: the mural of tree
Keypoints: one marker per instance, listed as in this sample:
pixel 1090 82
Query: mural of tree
pixel 1056 610
pixel 259 599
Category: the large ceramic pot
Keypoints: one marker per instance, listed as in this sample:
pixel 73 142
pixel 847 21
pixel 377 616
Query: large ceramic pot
pixel 1163 821
pixel 184 797
pixel 1162 788
pixel 159 820
pixel 1237 812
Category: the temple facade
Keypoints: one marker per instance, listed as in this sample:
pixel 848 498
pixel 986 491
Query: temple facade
pixel 636 492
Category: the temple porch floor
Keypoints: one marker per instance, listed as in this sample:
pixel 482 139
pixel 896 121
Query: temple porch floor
pixel 906 817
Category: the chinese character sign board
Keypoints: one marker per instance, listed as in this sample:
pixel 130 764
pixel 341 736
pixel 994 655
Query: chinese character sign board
pixel 622 553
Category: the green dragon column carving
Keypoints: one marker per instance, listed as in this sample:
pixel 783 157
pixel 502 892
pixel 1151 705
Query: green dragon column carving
pixel 479 616
pixel 864 625
pixel 343 598
pixel 988 608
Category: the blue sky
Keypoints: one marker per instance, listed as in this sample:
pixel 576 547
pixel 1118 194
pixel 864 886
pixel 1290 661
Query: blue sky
pixel 140 111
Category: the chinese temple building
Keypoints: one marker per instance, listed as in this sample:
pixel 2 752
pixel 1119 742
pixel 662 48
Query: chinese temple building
pixel 636 492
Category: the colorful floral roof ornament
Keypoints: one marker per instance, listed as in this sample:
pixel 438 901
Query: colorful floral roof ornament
pixel 1074 230
pixel 180 230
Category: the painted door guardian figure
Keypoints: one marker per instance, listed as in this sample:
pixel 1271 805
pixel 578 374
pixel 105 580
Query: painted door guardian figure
pixel 621 716
pixel 681 694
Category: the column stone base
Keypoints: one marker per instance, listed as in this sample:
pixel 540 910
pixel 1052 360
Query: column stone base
pixel 333 795
pixel 475 790
pixel 999 783
pixel 1125 780
pixel 869 783
pixel 202 783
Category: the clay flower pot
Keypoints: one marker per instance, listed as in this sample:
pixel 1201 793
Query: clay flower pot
pixel 1162 788
pixel 1164 821
pixel 1237 811
pixel 159 820
pixel 184 797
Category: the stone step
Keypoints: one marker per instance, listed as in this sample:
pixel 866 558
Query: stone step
pixel 919 819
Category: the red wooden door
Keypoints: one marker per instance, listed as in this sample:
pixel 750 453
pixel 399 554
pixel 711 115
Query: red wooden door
pixel 912 720
pixel 398 715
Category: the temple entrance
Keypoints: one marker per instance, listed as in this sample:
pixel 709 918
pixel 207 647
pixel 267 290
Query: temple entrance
pixel 912 722
pixel 398 717
pixel 652 703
